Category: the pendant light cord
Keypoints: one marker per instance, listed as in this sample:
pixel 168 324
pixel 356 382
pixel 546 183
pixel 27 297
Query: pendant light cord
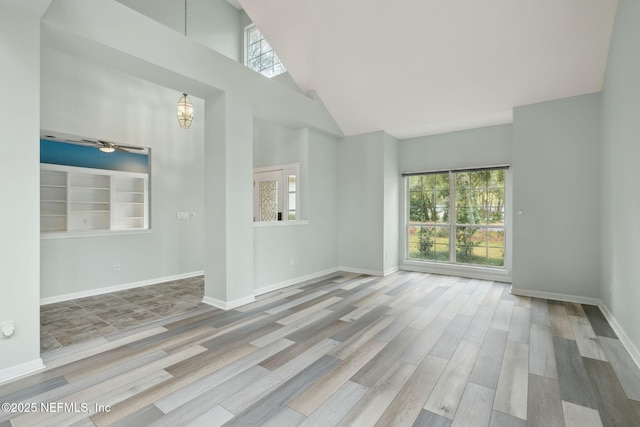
pixel 185 109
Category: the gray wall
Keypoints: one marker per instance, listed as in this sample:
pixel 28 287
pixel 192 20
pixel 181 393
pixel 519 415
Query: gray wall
pixel 275 144
pixel 620 173
pixel 369 203
pixel 312 242
pixel 324 185
pixel 391 208
pixel 556 186
pixel 19 192
pixel 85 99
pixel 361 202
pixel 214 23
pixel 468 148
pixel 228 201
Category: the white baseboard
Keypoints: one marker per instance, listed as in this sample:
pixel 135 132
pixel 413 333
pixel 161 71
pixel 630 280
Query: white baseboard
pixel 362 271
pixel 390 271
pixel 266 289
pixel 300 279
pixel 296 280
pixel 555 296
pixel 13 372
pixel 622 335
pixel 115 288
pixel 228 305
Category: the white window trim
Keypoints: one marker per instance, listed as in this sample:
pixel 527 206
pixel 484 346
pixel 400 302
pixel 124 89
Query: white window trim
pixel 246 43
pixel 503 274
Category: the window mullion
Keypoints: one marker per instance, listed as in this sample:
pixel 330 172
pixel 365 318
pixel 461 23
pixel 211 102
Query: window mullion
pixel 408 217
pixel 452 218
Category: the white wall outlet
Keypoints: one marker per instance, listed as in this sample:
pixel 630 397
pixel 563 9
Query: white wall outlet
pixel 292 262
pixel 117 266
pixel 182 215
pixel 7 329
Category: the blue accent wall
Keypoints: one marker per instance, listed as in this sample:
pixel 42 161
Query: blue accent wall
pixel 60 153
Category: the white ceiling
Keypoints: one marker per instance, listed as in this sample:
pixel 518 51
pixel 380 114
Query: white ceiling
pixel 414 67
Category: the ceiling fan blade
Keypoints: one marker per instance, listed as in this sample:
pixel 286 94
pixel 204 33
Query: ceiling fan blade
pixel 130 147
pixel 118 148
pixel 85 142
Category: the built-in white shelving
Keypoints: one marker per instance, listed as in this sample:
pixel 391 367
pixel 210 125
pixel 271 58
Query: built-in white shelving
pixel 74 199
pixel 130 203
pixel 53 200
pixel 89 201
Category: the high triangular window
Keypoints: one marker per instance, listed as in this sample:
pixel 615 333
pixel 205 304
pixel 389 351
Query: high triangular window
pixel 260 56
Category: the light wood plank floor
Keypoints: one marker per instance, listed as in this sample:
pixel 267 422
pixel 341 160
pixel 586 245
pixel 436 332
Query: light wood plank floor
pixel 351 350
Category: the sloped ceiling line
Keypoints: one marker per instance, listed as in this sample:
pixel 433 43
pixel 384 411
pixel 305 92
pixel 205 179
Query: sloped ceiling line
pixel 411 66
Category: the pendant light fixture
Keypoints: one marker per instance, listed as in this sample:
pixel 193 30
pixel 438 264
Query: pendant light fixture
pixel 185 108
pixel 185 111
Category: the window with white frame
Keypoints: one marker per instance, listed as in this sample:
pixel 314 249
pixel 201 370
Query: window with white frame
pixel 457 217
pixel 259 56
pixel 276 193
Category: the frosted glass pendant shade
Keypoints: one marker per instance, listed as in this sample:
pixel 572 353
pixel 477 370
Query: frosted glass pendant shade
pixel 185 111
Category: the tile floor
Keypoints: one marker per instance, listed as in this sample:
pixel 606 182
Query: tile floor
pixel 74 321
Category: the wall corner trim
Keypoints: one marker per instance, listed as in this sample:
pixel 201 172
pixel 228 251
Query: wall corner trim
pixel 228 305
pixel 13 372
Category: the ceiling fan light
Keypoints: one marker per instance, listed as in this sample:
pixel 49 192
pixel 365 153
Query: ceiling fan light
pixel 185 111
pixel 107 149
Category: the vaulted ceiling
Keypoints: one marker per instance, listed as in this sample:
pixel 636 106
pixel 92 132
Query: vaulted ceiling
pixel 414 67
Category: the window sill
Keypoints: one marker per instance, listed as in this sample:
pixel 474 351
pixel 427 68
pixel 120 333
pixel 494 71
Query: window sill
pixel 91 233
pixel 262 224
pixel 474 272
